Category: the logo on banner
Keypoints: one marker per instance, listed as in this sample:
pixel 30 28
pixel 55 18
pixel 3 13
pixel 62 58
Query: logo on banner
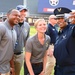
pixel 53 2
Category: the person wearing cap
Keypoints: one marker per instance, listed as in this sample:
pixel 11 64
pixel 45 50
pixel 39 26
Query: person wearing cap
pixel 64 48
pixel 52 32
pixel 22 30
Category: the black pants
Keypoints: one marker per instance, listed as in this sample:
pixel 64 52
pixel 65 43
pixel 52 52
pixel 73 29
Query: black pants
pixel 37 68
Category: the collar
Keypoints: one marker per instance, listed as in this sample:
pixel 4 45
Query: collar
pixel 61 32
pixel 36 37
pixel 8 25
pixel 19 25
pixel 51 26
pixel 37 40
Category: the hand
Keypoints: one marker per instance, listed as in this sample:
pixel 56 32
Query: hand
pixel 12 71
pixel 50 51
pixel 42 73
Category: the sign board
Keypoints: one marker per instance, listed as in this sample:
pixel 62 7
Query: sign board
pixel 48 6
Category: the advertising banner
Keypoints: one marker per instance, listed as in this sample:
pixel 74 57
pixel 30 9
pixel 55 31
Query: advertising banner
pixel 48 6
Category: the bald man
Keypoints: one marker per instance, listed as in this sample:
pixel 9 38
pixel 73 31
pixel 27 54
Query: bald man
pixel 52 32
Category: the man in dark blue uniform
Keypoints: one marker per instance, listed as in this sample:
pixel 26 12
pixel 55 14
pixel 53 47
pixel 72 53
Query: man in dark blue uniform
pixel 51 31
pixel 64 50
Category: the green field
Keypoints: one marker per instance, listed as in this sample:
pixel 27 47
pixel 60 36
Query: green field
pixel 32 30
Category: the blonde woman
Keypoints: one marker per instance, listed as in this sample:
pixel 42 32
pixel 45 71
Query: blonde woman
pixel 36 50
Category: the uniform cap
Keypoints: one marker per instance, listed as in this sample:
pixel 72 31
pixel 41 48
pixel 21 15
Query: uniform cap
pixel 21 7
pixel 60 11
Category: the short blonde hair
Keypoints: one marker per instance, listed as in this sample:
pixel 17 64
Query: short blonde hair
pixel 37 21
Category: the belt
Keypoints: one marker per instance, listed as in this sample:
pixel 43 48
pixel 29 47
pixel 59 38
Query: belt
pixel 18 53
pixel 37 63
